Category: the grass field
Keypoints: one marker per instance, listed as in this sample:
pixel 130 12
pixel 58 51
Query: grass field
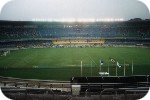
pixel 63 63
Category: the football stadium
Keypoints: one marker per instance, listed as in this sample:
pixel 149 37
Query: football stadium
pixel 55 51
pixel 74 50
pixel 75 58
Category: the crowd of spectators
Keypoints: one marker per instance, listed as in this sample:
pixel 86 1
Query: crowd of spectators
pixel 43 34
pixel 19 30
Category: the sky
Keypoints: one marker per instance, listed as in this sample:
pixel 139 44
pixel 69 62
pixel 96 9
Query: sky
pixel 63 9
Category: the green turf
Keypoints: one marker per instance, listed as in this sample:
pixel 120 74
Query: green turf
pixel 63 63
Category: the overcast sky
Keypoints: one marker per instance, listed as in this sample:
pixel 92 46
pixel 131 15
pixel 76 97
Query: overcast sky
pixel 57 9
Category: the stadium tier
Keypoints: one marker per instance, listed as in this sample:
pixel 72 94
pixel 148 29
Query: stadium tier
pixel 22 30
pixel 98 84
pixel 127 32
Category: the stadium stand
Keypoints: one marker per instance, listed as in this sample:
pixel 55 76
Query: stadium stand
pixel 93 88
pixel 19 30
pixel 110 33
pixel 97 84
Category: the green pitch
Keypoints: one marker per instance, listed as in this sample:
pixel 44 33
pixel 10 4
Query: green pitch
pixel 63 63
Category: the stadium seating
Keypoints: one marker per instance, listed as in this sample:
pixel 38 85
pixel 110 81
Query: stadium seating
pixel 20 30
pixel 28 34
pixel 97 84
pixel 44 34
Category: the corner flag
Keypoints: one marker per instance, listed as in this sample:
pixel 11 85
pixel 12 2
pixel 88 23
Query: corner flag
pixel 101 62
pixel 118 64
pixel 112 60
